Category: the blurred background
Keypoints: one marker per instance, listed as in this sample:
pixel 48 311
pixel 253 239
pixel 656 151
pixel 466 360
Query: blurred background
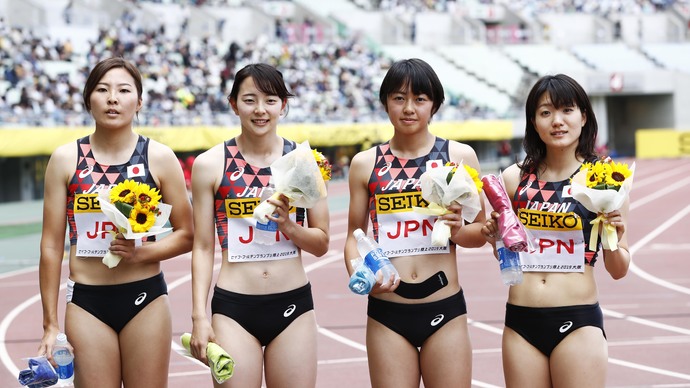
pixel 631 56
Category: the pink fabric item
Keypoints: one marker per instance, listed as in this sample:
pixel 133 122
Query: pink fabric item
pixel 512 231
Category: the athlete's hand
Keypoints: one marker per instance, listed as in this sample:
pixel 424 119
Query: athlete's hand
pixel 454 218
pixel 281 215
pixel 490 229
pixel 202 334
pixel 122 247
pixel 615 219
pixel 381 286
pixel 48 343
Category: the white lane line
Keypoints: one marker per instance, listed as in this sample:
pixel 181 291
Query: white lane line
pixel 649 369
pixel 4 326
pixel 646 322
pixel 657 194
pixel 341 339
pixel 662 176
pixel 649 237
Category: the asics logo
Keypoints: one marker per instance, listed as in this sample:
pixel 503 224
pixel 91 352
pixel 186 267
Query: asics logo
pixel 237 174
pixel 383 170
pixel 140 299
pixel 522 190
pixel 86 172
pixel 566 326
pixel 291 309
pixel 437 319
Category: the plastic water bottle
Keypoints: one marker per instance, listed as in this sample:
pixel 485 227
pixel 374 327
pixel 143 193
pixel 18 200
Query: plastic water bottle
pixel 64 360
pixel 362 279
pixel 509 261
pixel 265 232
pixel 374 257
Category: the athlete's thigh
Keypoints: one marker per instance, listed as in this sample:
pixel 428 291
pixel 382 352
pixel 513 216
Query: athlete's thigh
pixel 96 349
pixel 393 361
pixel 290 359
pixel 523 364
pixel 446 356
pixel 244 348
pixel 580 359
pixel 145 343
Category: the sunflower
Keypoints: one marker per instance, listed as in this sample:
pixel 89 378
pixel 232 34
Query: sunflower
pixel 324 165
pixel 124 192
pixel 147 195
pixel 141 218
pixel 596 173
pixel 475 177
pixel 618 173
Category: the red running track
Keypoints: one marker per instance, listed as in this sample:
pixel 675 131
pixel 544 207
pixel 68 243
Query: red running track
pixel 647 313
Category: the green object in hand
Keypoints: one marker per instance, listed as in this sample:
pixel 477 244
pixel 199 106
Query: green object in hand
pixel 221 364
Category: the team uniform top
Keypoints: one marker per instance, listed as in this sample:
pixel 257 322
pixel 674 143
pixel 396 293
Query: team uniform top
pixel 89 228
pixel 394 189
pixel 238 194
pixel 560 224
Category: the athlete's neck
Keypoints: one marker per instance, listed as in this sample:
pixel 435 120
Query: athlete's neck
pixel 260 151
pixel 411 146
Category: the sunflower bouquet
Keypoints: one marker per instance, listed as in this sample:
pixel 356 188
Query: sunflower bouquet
pixel 301 176
pixel 602 187
pixel 136 211
pixel 452 183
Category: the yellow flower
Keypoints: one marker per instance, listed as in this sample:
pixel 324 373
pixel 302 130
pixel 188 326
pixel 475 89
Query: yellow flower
pixel 606 174
pixel 124 192
pixel 147 195
pixel 618 173
pixel 471 171
pixel 141 219
pixel 324 165
pixel 475 177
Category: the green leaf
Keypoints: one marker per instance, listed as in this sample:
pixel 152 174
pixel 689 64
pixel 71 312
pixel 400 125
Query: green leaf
pixel 124 208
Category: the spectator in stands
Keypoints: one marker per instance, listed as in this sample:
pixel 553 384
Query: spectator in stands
pixel 117 319
pixel 399 315
pixel 333 77
pixel 554 328
pixel 256 282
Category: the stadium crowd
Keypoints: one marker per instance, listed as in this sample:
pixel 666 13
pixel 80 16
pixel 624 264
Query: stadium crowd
pixel 334 78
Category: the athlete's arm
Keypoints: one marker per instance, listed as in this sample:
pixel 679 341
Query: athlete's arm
pixel 360 168
pixel 465 235
pixel 315 237
pixel 53 240
pixel 206 173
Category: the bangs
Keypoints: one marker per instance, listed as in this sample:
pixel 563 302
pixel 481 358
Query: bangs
pixel 418 84
pixel 561 94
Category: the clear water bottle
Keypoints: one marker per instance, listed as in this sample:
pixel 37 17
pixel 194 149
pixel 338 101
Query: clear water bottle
pixel 362 279
pixel 266 232
pixel 374 257
pixel 509 261
pixel 64 360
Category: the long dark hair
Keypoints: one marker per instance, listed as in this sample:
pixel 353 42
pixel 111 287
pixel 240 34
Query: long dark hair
pixel 415 74
pixel 563 91
pixel 105 66
pixel 267 79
